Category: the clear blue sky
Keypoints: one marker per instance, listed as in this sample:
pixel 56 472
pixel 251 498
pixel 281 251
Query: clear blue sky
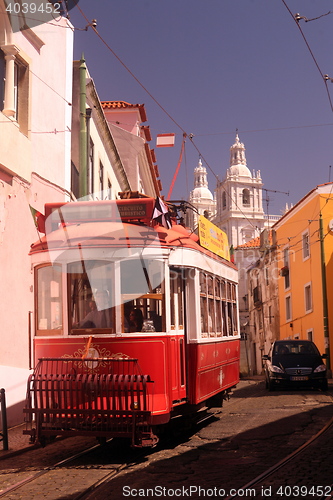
pixel 218 65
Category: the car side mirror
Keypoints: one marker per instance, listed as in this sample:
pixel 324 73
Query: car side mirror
pixel 266 357
pixel 324 356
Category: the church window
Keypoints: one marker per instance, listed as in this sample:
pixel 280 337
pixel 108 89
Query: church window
pixel 246 197
pixel 224 200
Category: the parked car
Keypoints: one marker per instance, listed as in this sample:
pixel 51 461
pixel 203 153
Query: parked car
pixel 295 362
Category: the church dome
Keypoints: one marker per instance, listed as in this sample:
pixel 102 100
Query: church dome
pixel 240 170
pixel 201 184
pixel 202 193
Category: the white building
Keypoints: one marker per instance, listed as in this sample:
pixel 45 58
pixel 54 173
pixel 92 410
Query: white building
pixel 239 210
pixel 201 198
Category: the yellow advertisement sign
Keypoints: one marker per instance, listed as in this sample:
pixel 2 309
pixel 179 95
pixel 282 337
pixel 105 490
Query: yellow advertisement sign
pixel 213 238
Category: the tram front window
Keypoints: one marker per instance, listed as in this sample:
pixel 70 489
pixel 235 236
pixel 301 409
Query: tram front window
pixel 142 289
pixel 91 299
pixel 48 301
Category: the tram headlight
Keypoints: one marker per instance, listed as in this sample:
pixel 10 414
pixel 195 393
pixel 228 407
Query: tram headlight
pixel 320 368
pixel 276 369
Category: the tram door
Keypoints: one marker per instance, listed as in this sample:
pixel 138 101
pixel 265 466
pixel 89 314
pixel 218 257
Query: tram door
pixel 178 343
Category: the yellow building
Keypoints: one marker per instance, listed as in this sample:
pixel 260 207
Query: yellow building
pixel 304 237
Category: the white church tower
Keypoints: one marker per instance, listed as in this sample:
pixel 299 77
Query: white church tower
pixel 239 210
pixel 201 198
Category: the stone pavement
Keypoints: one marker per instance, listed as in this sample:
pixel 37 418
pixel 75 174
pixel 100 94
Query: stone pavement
pixel 18 442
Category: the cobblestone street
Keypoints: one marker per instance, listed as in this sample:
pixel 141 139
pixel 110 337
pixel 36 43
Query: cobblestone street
pixel 253 431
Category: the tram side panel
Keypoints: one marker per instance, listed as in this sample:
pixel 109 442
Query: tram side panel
pixel 214 367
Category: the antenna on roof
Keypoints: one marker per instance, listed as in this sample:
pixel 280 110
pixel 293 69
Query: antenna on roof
pixel 267 199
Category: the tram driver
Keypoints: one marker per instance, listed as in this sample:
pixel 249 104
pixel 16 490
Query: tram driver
pixel 100 316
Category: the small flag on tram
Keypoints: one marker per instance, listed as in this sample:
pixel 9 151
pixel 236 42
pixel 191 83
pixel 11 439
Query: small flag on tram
pixel 38 218
pixel 161 214
pixel 165 140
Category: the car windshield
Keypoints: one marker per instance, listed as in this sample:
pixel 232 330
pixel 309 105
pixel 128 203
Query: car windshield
pixel 294 348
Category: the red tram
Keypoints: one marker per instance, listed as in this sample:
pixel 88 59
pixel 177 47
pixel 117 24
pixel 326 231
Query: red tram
pixel 134 323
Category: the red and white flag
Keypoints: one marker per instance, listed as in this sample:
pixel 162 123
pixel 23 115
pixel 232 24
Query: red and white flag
pixel 165 140
pixel 161 214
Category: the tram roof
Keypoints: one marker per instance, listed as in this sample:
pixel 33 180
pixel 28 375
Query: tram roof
pixel 71 228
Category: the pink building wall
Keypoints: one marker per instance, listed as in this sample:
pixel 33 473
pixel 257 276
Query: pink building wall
pixel 34 169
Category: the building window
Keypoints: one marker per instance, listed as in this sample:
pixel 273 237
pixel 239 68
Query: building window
pixel 14 86
pixel 309 334
pixel 285 269
pixel 308 297
pixel 288 308
pixel 21 94
pixel 246 197
pixel 306 245
pixel 101 176
pixel 224 200
pixel 109 195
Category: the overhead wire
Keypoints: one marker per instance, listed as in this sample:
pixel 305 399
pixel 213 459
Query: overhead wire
pixel 159 105
pixel 296 20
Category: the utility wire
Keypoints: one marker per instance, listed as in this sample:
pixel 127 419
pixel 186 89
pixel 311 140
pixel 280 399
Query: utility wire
pixel 296 20
pixel 160 106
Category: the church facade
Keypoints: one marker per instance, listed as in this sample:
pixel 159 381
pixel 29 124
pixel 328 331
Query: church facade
pixel 237 209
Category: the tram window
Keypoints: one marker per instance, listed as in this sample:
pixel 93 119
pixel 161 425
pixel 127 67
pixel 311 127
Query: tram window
pixel 204 322
pixel 142 287
pixel 224 318
pixel 234 308
pixel 49 316
pixel 218 306
pixel 223 296
pixel 211 306
pixel 230 319
pixel 91 299
pixel 176 300
pixel 210 282
pixel 211 318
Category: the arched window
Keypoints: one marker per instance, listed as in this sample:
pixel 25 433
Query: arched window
pixel 246 197
pixel 224 200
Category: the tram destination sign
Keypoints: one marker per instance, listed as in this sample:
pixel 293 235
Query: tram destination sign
pixel 213 238
pixel 132 211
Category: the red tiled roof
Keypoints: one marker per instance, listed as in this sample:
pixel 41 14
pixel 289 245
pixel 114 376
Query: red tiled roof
pixel 255 243
pixel 125 105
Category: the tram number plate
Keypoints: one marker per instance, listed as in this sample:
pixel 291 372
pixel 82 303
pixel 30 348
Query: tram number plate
pixel 298 379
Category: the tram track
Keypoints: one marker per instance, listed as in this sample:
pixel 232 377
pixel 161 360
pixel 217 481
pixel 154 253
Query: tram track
pixel 90 477
pixel 264 480
pixel 134 457
pixel 34 477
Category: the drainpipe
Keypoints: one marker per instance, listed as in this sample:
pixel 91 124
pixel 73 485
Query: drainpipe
pixel 324 290
pixel 83 130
